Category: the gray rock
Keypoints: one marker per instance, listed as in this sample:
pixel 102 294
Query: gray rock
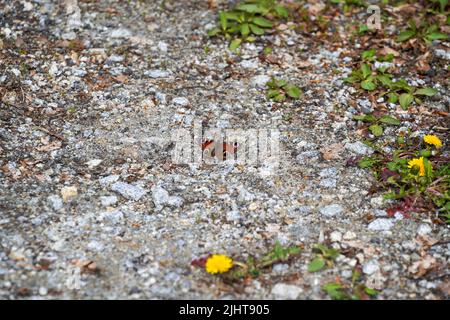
pixel 108 200
pixel 120 33
pixel 359 148
pixel 233 216
pixel 157 74
pixel 381 224
pixel 161 198
pixel 286 291
pixel 331 210
pixel 370 267
pixel 260 81
pixel 55 202
pixel 424 229
pixel 328 183
pixel 181 101
pixel 128 191
pixel 106 181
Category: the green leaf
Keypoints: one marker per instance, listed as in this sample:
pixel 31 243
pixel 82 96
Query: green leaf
pixel 405 35
pixel 262 22
pixel 213 32
pixel 293 91
pixel 223 20
pixel 376 130
pixel 366 163
pixel 436 36
pixel 368 54
pixel 390 120
pixel 365 118
pixel 405 100
pixel 370 291
pixel 235 44
pixel 280 97
pixel 426 92
pixel 281 11
pixel 368 85
pixel 334 290
pixel 316 265
pixel 245 30
pixel 366 71
pixel 385 80
pixel 250 8
pixel 256 30
pixel 393 98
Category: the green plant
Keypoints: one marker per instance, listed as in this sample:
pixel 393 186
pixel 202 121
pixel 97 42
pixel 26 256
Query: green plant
pixel 426 32
pixel 440 5
pixel 254 267
pixel 324 256
pixel 418 175
pixel 378 124
pixel 280 90
pixel 370 79
pixel 356 290
pixel 246 20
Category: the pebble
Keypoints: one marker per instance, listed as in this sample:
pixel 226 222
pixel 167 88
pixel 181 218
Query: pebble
pixel 381 224
pixel 55 202
pixel 181 101
pixel 286 291
pixel 335 236
pixel 424 229
pixel 349 235
pixel 161 197
pixel 370 267
pixel 359 148
pixel 260 81
pixel 128 191
pixel 120 33
pixel 157 74
pixel 108 200
pixel 68 193
pixel 331 210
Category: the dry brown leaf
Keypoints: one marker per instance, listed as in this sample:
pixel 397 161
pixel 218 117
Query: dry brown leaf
pixel 331 152
pixel 303 64
pixel 423 266
pixel 50 147
pixel 386 50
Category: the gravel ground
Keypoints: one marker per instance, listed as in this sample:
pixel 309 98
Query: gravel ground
pixel 92 207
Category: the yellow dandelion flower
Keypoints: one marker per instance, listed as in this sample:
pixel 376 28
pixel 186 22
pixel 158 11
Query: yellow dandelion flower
pixel 432 139
pixel 218 263
pixel 417 162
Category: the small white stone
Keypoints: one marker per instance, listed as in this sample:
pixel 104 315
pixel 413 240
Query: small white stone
pixel 93 163
pixel 68 193
pixel 381 224
pixel 43 291
pixel 331 210
pixel 359 148
pixel 55 202
pixel 181 101
pixel 336 236
pixel 157 74
pixel 424 229
pixel 108 200
pixel 286 291
pixel 349 235
pixel 128 191
pixel 371 266
pixel 120 33
pixel 260 81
